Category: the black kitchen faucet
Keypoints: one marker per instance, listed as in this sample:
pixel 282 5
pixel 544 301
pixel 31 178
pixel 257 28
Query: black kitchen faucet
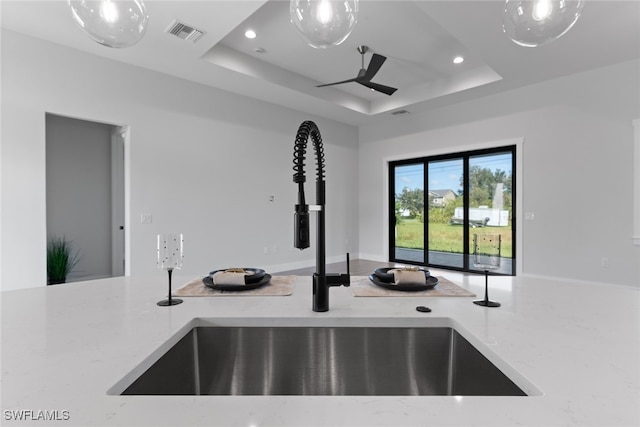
pixel 321 280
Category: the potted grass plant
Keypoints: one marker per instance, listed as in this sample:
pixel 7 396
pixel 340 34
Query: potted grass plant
pixel 60 259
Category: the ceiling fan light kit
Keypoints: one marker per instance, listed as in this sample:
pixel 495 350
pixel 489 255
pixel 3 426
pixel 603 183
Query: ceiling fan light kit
pixel 533 23
pixel 324 23
pixel 112 23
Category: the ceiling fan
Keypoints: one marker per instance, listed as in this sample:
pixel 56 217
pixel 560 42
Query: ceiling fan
pixel 365 75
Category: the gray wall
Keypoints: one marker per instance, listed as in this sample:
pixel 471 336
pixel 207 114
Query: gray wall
pixel 78 163
pixel 200 160
pixel 577 168
pixel 204 162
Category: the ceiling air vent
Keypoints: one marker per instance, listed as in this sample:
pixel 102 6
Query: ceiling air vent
pixel 399 112
pixel 184 31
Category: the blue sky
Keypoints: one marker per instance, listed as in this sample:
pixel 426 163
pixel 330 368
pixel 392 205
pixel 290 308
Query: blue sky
pixel 445 175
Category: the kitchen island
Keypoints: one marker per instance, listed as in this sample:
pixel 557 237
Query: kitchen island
pixel 64 347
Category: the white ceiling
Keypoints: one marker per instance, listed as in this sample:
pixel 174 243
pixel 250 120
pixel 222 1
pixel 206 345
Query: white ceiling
pixel 419 38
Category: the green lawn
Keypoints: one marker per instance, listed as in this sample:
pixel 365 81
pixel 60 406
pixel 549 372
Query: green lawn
pixel 445 237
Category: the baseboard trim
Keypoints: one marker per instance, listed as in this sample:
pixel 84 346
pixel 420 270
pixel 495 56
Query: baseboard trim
pixel 576 281
pixel 372 257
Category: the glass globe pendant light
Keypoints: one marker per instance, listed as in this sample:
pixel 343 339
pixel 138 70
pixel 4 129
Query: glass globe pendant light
pixel 533 23
pixel 324 23
pixel 112 23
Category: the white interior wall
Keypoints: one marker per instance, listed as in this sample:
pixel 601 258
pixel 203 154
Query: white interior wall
pixel 636 179
pixel 201 161
pixel 577 168
pixel 204 162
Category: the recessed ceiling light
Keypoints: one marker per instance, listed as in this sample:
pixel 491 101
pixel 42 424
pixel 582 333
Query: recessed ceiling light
pixel 250 34
pixel 458 60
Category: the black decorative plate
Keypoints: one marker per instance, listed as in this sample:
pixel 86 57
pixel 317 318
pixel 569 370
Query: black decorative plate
pixel 383 275
pixel 254 274
pixel 432 281
pixel 208 281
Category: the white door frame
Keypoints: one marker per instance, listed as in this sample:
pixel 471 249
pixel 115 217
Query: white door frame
pixel 119 136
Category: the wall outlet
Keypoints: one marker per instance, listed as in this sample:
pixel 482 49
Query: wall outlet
pixel 146 218
pixel 529 216
pixel 266 250
pixel 604 262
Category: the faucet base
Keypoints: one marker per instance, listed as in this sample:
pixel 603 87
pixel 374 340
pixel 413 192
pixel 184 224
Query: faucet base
pixel 321 285
pixel 320 293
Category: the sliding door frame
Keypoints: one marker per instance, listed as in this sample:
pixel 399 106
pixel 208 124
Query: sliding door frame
pixel 515 147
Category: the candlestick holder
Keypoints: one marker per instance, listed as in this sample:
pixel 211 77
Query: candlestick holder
pixel 486 254
pixel 170 255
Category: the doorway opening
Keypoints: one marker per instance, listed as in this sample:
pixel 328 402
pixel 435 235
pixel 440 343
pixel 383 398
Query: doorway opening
pixel 86 193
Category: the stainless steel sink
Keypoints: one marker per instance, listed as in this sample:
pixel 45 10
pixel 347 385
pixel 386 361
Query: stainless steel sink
pixel 322 360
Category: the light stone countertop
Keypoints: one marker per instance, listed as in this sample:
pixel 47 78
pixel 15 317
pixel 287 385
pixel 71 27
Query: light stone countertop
pixel 578 344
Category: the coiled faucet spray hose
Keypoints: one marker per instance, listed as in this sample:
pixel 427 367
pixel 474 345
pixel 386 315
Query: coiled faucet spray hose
pixel 307 129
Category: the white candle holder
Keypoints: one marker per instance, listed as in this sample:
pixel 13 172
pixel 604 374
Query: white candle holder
pixel 170 255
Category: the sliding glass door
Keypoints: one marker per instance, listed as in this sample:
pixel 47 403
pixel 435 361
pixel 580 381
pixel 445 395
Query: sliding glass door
pixel 446 190
pixel 467 205
pixel 408 216
pixel 490 211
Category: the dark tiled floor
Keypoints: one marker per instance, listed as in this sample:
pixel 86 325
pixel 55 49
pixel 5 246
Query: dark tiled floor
pixel 359 267
pixel 450 259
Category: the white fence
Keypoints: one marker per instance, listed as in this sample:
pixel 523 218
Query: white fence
pixel 496 217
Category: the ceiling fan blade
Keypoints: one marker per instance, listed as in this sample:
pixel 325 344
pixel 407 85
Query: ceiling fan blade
pixel 387 90
pixel 364 76
pixel 339 83
pixel 374 66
